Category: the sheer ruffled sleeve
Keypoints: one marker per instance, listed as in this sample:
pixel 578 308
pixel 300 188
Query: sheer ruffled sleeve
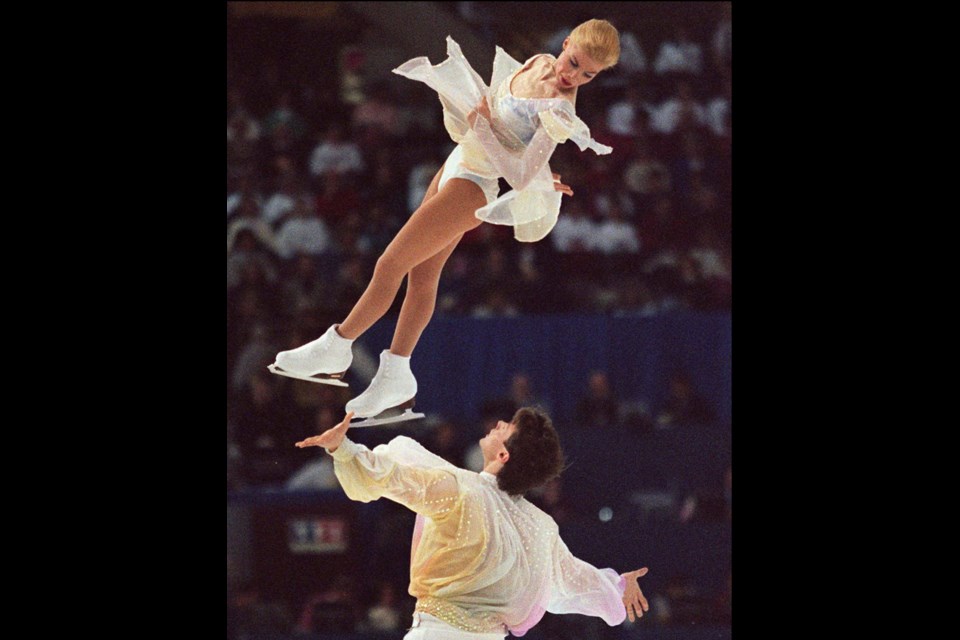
pixel 401 470
pixel 579 587
pixel 460 87
pixel 561 124
pixel 519 169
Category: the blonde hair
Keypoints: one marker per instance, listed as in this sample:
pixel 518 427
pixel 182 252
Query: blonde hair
pixel 600 40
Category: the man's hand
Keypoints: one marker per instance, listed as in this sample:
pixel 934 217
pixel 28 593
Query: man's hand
pixel 633 598
pixel 329 439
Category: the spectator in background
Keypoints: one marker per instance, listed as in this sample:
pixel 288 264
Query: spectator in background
pixel 251 289
pixel 520 394
pixel 615 234
pixel 353 75
pixel 659 228
pixel 303 232
pixel 718 111
pixel 353 275
pixel 551 498
pixel 336 154
pixel 523 394
pixel 683 405
pixel 494 287
pixel 702 202
pixel 284 114
pixel 692 168
pixel 383 190
pixel 384 614
pixel 445 441
pixel 695 289
pixel 495 303
pixel 332 609
pixel 243 142
pixel 633 61
pixel 634 298
pixel 575 230
pixel 245 187
pixel 721 42
pixel 248 218
pixel 254 356
pixel 248 251
pixel 680 56
pixel 376 121
pixel 681 111
pixel 597 407
pixel 264 430
pixel 646 176
pixel 284 130
pixel 629 116
pixel 280 204
pixel 337 200
pixel 303 290
pixel 712 257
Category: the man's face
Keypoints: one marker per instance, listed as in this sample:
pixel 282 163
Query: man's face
pixel 492 443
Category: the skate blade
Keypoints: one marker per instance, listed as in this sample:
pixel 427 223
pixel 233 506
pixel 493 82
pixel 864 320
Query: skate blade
pixel 331 381
pixel 384 418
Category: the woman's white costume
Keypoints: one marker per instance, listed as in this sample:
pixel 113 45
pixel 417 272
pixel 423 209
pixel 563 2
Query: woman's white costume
pixel 517 146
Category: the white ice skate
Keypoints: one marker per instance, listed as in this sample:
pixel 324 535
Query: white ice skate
pixel 390 397
pixel 323 360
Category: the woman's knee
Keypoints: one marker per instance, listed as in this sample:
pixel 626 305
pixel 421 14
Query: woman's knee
pixel 389 265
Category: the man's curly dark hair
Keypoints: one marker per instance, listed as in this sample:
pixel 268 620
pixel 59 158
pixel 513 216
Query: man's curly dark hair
pixel 535 453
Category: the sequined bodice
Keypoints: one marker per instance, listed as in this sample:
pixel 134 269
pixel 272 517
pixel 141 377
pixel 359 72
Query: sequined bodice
pixel 519 115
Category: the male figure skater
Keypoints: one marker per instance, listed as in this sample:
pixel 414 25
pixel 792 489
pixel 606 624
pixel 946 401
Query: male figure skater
pixel 484 561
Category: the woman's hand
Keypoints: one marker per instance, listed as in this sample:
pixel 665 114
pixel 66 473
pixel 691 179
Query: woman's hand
pixel 633 598
pixel 482 109
pixel 559 186
pixel 329 439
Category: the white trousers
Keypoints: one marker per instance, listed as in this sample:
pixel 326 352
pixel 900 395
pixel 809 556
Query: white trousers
pixel 427 627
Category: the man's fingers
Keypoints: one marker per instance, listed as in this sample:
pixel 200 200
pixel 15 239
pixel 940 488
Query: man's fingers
pixel 639 572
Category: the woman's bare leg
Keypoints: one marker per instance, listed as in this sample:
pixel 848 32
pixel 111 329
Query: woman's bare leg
pixel 434 228
pixel 419 301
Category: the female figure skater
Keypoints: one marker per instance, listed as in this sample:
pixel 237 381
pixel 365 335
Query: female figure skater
pixel 507 130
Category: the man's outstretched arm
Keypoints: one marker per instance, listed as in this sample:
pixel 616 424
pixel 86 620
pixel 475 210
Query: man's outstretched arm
pixel 387 472
pixel 580 587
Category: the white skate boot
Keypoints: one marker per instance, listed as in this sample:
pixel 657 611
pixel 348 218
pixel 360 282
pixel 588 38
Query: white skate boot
pixel 323 360
pixel 390 396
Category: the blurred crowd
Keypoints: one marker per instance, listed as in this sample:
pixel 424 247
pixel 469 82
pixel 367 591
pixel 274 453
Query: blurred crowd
pixel 323 171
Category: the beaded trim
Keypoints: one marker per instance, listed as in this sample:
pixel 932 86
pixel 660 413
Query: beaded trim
pixel 457 617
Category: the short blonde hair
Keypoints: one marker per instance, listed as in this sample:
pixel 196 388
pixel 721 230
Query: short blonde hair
pixel 600 40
